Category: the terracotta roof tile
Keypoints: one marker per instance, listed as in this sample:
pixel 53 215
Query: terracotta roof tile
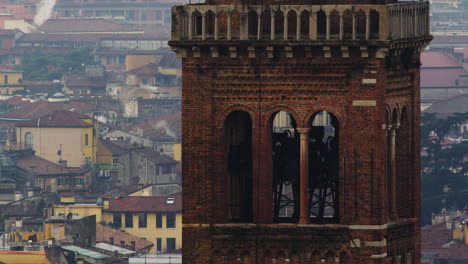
pixel 148 69
pixel 154 156
pixel 78 80
pixel 145 204
pixel 58 119
pixel 437 59
pixel 104 233
pixel 435 236
pixel 442 77
pixel 162 128
pixel 82 25
pixel 113 148
pixel 40 166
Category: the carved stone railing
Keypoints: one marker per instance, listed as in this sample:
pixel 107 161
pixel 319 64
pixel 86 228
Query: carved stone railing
pixel 202 22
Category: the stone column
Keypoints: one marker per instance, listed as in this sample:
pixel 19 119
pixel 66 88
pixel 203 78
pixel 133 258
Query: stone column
pixel 189 26
pixel 304 176
pixel 244 26
pixel 259 26
pixel 272 26
pixel 298 26
pixel 367 25
pixel 341 25
pixel 216 29
pixel 327 17
pixel 313 26
pixel 393 169
pixel 203 34
pixel 229 26
pixel 285 25
pixel 354 26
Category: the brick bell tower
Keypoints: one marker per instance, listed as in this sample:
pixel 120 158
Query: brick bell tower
pixel 301 130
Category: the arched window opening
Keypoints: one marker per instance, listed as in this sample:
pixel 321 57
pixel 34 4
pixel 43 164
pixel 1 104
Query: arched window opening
pixel 238 133
pixel 321 24
pixel 266 24
pixel 347 25
pixel 196 24
pixel 360 24
pixel 222 25
pixel 334 24
pixel 279 24
pixel 292 24
pixel 402 166
pixel 285 140
pixel 324 168
pixel 210 24
pixel 28 140
pixel 374 24
pixel 235 24
pixel 305 23
pixel 183 25
pixel 253 24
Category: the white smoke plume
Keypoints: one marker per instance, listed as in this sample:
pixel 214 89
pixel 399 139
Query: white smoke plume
pixel 44 11
pixel 163 124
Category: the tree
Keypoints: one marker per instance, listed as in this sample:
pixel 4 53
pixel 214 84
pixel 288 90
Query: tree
pixel 38 66
pixel 443 165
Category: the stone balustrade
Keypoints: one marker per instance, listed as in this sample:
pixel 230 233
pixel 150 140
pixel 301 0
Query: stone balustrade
pixel 200 22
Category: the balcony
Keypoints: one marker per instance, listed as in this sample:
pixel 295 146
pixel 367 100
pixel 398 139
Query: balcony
pixel 304 24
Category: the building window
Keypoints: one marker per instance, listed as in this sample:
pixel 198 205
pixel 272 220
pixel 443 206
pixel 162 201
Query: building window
pixel 142 220
pixel 117 220
pixel 86 139
pixel 170 220
pixel 28 140
pixel 170 244
pixel 158 244
pixel 115 160
pixel 5 79
pixel 11 60
pixel 59 182
pixel 159 220
pixel 128 220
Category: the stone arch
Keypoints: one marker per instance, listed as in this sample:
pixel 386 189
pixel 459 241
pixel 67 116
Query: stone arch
pixel 285 164
pixel 252 18
pixel 235 24
pixel 221 118
pixel 266 24
pixel 196 24
pixel 305 24
pixel 335 111
pixel 279 24
pixel 374 24
pixel 210 24
pixel 334 24
pixel 347 24
pixel 222 24
pixel 292 24
pixel 321 24
pixel 270 112
pixel 183 25
pixel 360 18
pixel 324 173
pixel 238 146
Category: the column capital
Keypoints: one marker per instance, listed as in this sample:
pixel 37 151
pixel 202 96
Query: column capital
pixel 303 130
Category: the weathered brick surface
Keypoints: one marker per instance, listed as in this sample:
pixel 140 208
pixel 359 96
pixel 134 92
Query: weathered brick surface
pixel 303 85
